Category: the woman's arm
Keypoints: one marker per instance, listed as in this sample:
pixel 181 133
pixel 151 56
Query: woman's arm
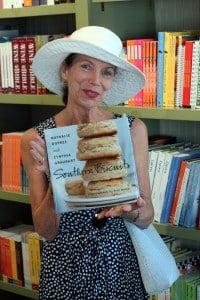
pixel 45 219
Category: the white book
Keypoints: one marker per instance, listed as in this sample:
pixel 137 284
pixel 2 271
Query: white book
pixel 179 76
pixel 157 183
pixel 152 166
pixel 50 2
pixel 194 73
pixel 164 179
pixel 9 65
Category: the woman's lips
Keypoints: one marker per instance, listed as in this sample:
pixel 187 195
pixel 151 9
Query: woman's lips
pixel 91 94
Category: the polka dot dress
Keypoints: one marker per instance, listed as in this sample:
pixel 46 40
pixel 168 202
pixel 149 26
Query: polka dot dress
pixel 89 260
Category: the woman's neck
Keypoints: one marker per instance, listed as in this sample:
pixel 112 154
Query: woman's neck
pixel 69 116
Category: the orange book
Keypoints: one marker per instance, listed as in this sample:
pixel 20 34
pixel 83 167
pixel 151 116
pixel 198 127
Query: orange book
pixel 1 143
pixel 146 70
pixel 27 3
pixel 138 62
pixel 5 256
pixel 5 165
pixel 130 58
pixel 16 159
pixel 153 73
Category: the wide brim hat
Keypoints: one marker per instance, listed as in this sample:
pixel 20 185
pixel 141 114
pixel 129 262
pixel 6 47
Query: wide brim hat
pixel 97 42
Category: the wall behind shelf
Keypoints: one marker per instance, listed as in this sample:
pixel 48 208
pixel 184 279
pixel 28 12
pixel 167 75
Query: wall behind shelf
pixel 128 19
pixel 12 212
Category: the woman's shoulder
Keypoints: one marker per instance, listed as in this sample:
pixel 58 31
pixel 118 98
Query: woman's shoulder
pixel 46 124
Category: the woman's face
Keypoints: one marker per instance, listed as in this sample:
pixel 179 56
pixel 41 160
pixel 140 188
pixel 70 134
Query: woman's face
pixel 88 80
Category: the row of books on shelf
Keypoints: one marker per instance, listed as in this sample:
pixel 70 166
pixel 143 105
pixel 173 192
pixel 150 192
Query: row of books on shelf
pixel 20 259
pixel 13 176
pixel 171 65
pixel 27 3
pixel 174 171
pixel 16 56
pixel 170 62
pixel 20 256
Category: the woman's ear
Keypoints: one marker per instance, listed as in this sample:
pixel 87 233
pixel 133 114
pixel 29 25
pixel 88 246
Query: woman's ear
pixel 64 72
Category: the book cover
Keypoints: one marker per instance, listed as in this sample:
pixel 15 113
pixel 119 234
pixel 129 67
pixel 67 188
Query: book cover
pixel 94 171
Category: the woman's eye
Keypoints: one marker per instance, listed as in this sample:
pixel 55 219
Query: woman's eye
pixel 108 73
pixel 86 66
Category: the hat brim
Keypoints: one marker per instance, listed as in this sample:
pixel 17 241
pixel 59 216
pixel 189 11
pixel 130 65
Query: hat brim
pixel 128 81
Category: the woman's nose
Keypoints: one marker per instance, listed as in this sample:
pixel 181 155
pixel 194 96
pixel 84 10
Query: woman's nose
pixel 95 78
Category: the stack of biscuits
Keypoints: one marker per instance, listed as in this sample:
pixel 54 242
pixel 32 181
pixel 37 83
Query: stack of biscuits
pixel 104 170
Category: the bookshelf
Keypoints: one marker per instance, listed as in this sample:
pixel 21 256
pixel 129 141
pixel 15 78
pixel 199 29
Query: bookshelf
pixel 138 18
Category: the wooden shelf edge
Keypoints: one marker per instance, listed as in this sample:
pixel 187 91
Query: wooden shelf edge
pixel 178 231
pixel 18 290
pixel 48 99
pixel 42 10
pixel 179 114
pixel 14 196
pixel 104 1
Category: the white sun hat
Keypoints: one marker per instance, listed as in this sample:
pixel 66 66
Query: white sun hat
pixel 97 42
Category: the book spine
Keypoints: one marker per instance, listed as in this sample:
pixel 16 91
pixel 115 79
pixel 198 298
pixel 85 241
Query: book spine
pixel 179 75
pixel 19 262
pixel 32 86
pixel 194 73
pixel 169 70
pixel 187 73
pixel 160 68
pixel 26 259
pixel 23 65
pixel 16 65
pixel 177 191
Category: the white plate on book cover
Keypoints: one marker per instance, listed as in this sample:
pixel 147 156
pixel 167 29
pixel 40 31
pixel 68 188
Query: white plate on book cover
pixel 81 201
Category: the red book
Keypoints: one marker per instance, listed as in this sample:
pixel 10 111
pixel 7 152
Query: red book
pixel 23 65
pixel 16 65
pixel 30 50
pixel 187 73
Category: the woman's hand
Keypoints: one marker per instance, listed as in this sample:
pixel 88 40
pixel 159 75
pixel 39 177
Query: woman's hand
pixel 129 211
pixel 39 154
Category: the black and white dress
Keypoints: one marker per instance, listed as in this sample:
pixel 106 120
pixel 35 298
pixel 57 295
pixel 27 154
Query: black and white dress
pixel 89 260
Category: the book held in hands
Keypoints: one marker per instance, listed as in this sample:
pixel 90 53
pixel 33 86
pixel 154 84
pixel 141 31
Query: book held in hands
pixel 92 165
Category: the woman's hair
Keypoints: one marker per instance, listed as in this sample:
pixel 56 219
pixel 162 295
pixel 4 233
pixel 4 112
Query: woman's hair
pixel 68 62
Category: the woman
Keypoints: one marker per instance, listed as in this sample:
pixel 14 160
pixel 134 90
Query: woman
pixel 88 254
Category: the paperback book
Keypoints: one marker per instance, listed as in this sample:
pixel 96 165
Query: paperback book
pixel 92 165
